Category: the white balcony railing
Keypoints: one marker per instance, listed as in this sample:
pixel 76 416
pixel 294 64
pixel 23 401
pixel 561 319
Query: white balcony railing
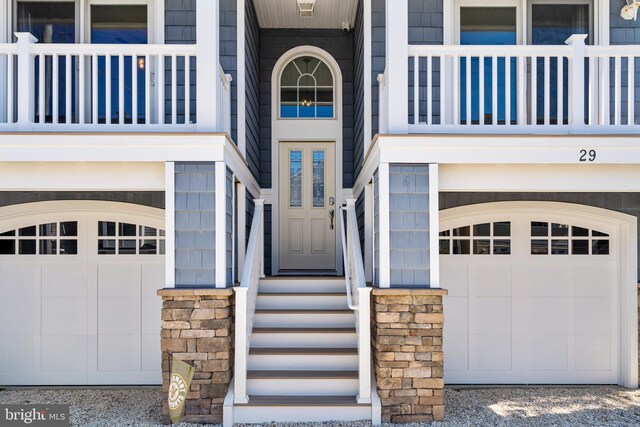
pixel 103 87
pixel 569 88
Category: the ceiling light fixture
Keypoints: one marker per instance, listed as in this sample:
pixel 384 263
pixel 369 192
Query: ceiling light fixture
pixel 306 8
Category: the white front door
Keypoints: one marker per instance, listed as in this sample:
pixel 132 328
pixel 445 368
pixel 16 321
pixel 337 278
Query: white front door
pixel 308 211
pixel 532 299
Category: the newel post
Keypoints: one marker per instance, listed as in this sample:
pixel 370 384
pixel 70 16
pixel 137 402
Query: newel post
pixel 576 81
pixel 397 65
pixel 208 53
pixel 26 79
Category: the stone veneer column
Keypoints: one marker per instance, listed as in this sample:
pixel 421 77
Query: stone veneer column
pixel 197 327
pixel 407 353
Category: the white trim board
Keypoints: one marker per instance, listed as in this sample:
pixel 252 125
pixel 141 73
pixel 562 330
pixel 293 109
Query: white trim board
pixel 82 176
pixel 539 178
pixel 301 130
pixel 626 226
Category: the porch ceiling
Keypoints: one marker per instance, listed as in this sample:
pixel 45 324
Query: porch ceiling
pixel 329 14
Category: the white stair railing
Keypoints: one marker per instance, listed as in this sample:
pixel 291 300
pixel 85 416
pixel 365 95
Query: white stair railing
pixel 246 296
pixel 358 295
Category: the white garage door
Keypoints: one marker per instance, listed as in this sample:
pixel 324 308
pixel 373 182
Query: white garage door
pixel 78 302
pixel 532 298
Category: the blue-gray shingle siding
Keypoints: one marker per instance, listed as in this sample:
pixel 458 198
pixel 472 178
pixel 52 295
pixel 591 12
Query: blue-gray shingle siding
pixel 252 88
pixel 195 223
pixel 358 91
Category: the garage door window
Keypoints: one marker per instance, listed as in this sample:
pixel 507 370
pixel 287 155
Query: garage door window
pixel 478 239
pixel 55 238
pixel 564 239
pixel 122 238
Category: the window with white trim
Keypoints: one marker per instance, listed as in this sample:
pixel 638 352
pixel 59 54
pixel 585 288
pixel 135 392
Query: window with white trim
pixel 53 238
pixel 564 239
pixel 306 90
pixel 123 238
pixel 478 239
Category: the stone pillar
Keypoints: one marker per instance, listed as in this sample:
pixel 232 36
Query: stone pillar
pixel 407 353
pixel 197 327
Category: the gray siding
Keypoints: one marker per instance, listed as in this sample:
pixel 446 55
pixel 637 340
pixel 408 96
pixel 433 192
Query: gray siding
pixel 628 203
pixel 358 91
pixel 180 28
pixel 267 239
pixel 360 208
pixel 378 53
pixel 195 224
pixel 228 55
pixel 273 44
pixel 154 199
pixel 623 32
pixel 409 225
pixel 252 88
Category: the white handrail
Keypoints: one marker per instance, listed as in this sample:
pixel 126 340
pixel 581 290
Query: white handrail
pixel 357 290
pixel 246 296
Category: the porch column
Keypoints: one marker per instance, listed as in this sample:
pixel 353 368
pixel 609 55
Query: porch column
pixel 207 51
pixel 397 68
pixel 26 80
pixel 170 224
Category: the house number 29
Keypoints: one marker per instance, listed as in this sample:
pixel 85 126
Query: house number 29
pixel 587 155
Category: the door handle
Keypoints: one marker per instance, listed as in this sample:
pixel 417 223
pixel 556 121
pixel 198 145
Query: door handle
pixel 332 214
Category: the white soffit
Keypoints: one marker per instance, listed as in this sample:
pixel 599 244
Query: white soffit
pixel 327 14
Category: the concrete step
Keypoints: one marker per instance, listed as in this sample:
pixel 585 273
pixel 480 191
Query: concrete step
pixel 303 359
pixel 304 318
pixel 300 409
pixel 302 300
pixel 313 337
pixel 302 383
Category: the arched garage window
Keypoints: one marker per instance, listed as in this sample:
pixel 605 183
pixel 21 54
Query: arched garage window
pixel 306 90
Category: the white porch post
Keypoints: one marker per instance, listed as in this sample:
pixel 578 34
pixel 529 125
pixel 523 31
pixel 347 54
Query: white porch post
pixel 576 81
pixel 26 79
pixel 384 229
pixel 170 227
pixel 397 68
pixel 434 227
pixel 221 224
pixel 207 48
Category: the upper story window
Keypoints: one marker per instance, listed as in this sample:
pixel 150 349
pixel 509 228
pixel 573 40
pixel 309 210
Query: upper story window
pixel 49 22
pixel 306 90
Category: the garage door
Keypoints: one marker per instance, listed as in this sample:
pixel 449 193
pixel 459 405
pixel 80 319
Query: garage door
pixel 78 288
pixel 533 297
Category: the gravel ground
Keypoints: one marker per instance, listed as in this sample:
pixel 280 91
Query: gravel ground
pixel 536 406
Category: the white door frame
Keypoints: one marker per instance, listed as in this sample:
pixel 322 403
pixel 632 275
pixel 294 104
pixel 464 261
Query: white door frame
pixel 627 249
pixel 304 130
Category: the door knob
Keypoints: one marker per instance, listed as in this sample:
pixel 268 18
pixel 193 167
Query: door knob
pixel 332 214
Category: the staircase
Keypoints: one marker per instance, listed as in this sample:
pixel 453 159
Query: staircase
pixel 303 359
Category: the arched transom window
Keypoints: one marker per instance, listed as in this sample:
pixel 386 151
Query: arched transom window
pixel 306 89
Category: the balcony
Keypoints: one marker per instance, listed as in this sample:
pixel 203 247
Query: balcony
pixel 570 89
pixel 108 88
